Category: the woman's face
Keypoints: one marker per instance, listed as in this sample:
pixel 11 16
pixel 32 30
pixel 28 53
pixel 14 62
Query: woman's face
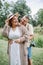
pixel 14 21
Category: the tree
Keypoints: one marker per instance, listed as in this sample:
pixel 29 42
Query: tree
pixel 40 17
pixel 0 3
pixel 33 22
pixel 4 11
pixel 21 7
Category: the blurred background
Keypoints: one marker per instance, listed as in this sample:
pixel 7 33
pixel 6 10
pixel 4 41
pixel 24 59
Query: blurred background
pixel 32 8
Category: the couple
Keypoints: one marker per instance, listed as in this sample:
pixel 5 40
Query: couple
pixel 17 35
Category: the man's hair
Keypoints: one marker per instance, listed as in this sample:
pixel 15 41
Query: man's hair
pixel 27 17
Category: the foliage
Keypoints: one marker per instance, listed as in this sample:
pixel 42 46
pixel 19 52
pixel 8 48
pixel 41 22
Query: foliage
pixel 38 37
pixel 4 11
pixel 0 3
pixel 39 42
pixel 38 30
pixel 40 17
pixel 33 22
pixel 21 7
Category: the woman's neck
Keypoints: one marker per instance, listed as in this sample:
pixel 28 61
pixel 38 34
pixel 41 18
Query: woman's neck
pixel 13 27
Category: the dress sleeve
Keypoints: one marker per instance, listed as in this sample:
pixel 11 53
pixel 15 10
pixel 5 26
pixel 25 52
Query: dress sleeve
pixel 5 31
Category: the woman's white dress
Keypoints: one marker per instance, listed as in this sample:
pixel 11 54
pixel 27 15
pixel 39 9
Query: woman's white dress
pixel 14 48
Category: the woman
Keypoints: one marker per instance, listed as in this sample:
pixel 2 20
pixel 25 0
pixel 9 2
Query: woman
pixel 17 36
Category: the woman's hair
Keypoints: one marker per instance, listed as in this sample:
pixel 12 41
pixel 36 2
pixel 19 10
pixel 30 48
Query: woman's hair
pixel 10 22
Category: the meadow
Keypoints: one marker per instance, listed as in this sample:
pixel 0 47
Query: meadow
pixel 37 52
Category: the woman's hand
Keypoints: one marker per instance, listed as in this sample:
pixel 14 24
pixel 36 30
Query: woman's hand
pixel 17 41
pixel 10 41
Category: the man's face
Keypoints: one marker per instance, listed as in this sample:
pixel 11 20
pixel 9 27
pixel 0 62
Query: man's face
pixel 24 21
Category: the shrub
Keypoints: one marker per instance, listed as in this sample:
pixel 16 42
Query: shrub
pixel 38 30
pixel 39 42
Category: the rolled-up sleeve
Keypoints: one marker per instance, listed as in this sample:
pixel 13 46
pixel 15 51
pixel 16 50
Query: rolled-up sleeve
pixel 5 31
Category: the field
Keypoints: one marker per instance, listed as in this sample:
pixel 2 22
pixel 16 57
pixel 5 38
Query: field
pixel 37 52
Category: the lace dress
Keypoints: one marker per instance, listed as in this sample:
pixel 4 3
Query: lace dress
pixel 14 49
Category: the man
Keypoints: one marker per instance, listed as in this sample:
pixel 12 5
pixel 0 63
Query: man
pixel 25 22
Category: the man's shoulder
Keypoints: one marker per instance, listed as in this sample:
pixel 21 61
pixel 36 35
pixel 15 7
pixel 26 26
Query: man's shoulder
pixel 29 25
pixel 22 27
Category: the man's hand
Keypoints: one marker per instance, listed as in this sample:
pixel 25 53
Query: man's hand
pixel 30 37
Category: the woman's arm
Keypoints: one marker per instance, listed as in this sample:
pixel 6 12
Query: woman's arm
pixel 5 31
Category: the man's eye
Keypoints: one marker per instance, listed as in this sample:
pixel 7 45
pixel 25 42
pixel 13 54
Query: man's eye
pixel 24 20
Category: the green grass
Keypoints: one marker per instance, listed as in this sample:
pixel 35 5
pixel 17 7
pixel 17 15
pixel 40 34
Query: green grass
pixel 38 38
pixel 3 53
pixel 1 36
pixel 37 54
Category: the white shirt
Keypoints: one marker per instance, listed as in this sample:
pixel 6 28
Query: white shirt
pixel 30 32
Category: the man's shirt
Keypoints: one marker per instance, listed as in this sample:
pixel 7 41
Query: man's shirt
pixel 30 32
